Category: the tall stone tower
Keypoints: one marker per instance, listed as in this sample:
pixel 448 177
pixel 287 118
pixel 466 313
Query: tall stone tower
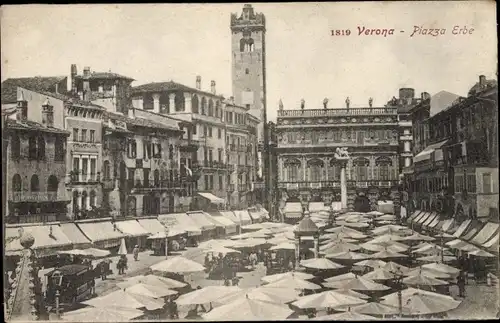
pixel 248 51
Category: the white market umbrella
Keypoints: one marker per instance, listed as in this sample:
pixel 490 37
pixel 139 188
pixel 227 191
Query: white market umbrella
pixel 437 258
pixel 346 276
pixel 345 230
pixel 249 243
pixel 123 248
pixel 295 283
pixel 332 237
pixel 427 272
pixel 207 294
pixel 418 237
pixel 422 279
pixel 482 253
pixel 284 246
pixel 352 293
pixel 373 263
pixel 101 314
pixel 375 308
pixel 392 247
pixel 296 274
pixel 222 250
pixel 386 217
pixel 349 255
pixel 151 280
pixel 442 268
pixel 245 309
pixel 119 298
pixel 178 264
pixel 379 274
pixel 333 248
pixel 421 302
pixel 386 238
pixel 277 295
pixel 395 267
pixel 216 243
pixel 385 254
pixel 320 263
pixel 353 224
pixel 150 290
pixel 327 299
pixel 358 284
pixel 345 316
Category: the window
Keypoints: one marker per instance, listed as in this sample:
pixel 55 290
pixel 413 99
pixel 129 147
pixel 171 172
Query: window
pixel 207 185
pixel 210 155
pixel 76 168
pixel 92 136
pixel 157 150
pixel 221 186
pixel 459 184
pixel 132 149
pixel 84 200
pixel 15 148
pixel 210 131
pixel 383 172
pixel 75 134
pixel 83 135
pixel 59 149
pixel 93 168
pixel 247 71
pixel 106 169
pixel 92 201
pixel 471 183
pixel 131 175
pixel 41 148
pixel 85 163
pixel 195 129
pixel 210 108
pixel 361 167
pixel 203 106
pixel 35 184
pixel 486 183
pixel 220 155
pixel 293 172
pixel 195 104
pixel 247 106
pixel 211 182
pixel 32 148
pixel 219 133
pixel 16 183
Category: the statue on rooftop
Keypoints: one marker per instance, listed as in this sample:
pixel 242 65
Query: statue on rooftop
pixel 325 103
pixel 302 104
pixel 347 102
pixel 281 105
pixel 370 102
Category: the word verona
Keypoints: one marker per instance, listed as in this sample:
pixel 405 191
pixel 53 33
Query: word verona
pixel 417 31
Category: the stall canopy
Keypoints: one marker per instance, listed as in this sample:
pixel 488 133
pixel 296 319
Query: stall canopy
pixel 180 221
pixel 486 233
pixel 492 244
pixel 414 215
pixel 132 228
pixel 243 216
pixel 461 229
pixel 474 228
pixel 151 225
pixel 419 217
pixel 231 216
pixel 293 210
pixel 430 219
pixel 447 225
pixel 427 152
pixel 101 231
pixel 336 206
pixel 317 207
pixel 212 198
pixel 228 225
pixel 46 237
pixel 202 220
pixel 423 218
pixel 257 214
pixel 75 235
pixel 434 222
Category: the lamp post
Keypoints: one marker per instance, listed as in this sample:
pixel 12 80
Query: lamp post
pixel 398 280
pixel 166 243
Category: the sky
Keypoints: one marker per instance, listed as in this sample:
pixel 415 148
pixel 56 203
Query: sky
pixel 162 42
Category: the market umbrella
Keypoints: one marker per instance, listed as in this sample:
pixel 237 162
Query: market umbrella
pixel 278 240
pixel 284 246
pixel 437 258
pixel 375 308
pixel 294 274
pixel 277 295
pixel 389 228
pixel 150 290
pixel 394 247
pixel 482 253
pixel 331 237
pixel 102 314
pixel 249 243
pixel 442 268
pixel 207 294
pixel 386 254
pixel 422 304
pixel 418 237
pixel 222 250
pixel 320 263
pixel 346 276
pixel 123 248
pixel 353 224
pixel 294 282
pixel 120 298
pixel 358 284
pixel 345 316
pixel 423 279
pixel 345 230
pixel 427 272
pixel 386 217
pixel 379 274
pixel 178 264
pixel 245 309
pixel 429 249
pixel 151 280
pixel 373 263
pixel 386 238
pixel 375 213
pixel 395 267
pixel 216 243
pixel 349 255
pixel 327 299
pixel 467 247
pixel 337 247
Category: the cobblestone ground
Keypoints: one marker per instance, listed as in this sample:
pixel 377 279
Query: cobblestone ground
pixel 480 302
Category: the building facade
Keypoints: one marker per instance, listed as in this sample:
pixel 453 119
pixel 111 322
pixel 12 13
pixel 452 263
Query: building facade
pixel 248 54
pixel 306 143
pixel 36 165
pixel 455 164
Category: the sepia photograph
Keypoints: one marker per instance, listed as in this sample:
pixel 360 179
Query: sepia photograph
pixel 332 161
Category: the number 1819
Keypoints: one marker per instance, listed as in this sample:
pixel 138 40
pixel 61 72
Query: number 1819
pixel 341 32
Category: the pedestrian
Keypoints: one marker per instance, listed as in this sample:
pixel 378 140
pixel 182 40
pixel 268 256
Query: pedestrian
pixel 461 284
pixel 135 252
pixel 102 268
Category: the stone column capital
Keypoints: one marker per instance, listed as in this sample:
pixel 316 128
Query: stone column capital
pixel 171 96
pixel 187 95
pixel 156 96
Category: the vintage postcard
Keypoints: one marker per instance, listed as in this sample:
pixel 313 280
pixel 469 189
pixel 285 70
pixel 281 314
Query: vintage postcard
pixel 266 161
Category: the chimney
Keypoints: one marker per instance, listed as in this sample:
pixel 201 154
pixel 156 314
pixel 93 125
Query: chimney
pixel 425 96
pixel 86 72
pixel 212 86
pixel 86 83
pixel 73 74
pixel 47 114
pixel 22 107
pixel 482 80
pixel 231 99
pixel 198 82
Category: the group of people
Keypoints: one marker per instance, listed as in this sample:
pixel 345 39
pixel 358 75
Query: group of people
pixel 224 266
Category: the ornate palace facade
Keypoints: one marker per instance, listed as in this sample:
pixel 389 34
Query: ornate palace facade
pixel 374 138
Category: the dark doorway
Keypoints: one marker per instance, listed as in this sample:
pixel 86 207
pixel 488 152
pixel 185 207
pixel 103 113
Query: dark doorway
pixel 362 204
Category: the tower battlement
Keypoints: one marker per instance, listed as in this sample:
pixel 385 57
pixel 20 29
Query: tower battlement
pixel 247 19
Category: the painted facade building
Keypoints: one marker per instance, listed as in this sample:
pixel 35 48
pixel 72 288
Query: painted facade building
pixel 308 138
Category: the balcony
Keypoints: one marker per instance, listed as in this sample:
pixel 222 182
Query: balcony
pixel 108 184
pixel 337 112
pixel 35 218
pixel 189 145
pixel 231 187
pixel 335 184
pixel 258 185
pixel 209 164
pixel 77 178
pixel 36 197
pixel 244 187
pixel 151 186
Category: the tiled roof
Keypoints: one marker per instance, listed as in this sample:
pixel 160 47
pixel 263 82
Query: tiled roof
pixel 140 122
pixel 33 126
pixel 306 225
pixel 168 86
pixel 106 75
pixel 37 83
pixel 70 99
pixel 476 88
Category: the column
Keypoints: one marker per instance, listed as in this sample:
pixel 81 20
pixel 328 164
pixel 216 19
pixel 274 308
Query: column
pixel 166 242
pixel 140 103
pixel 316 246
pixel 407 146
pixel 156 103
pixel 80 168
pixel 343 186
pixel 304 169
pixel 297 253
pixel 187 102
pixel 327 164
pixel 171 102
pixel 78 200
pixel 88 168
pixel 407 162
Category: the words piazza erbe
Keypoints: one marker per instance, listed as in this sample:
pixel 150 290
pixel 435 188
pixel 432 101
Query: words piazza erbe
pixel 417 31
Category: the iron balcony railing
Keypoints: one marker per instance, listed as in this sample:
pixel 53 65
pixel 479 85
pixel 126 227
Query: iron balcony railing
pixel 35 197
pixel 337 112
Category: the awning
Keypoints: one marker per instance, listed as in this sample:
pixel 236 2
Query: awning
pixel 244 217
pixel 293 210
pixel 447 225
pixel 231 216
pixel 212 198
pixel 414 215
pixel 426 153
pixel 430 219
pixel 101 231
pixel 473 231
pixel 422 219
pixel 46 237
pixel 151 225
pixel 434 222
pixel 228 225
pixel 318 206
pixel 336 206
pixel 486 233
pixel 131 228
pixel 75 235
pixel 257 215
pixel 419 216
pixel 180 221
pixel 492 244
pixel 461 229
pixel 200 218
